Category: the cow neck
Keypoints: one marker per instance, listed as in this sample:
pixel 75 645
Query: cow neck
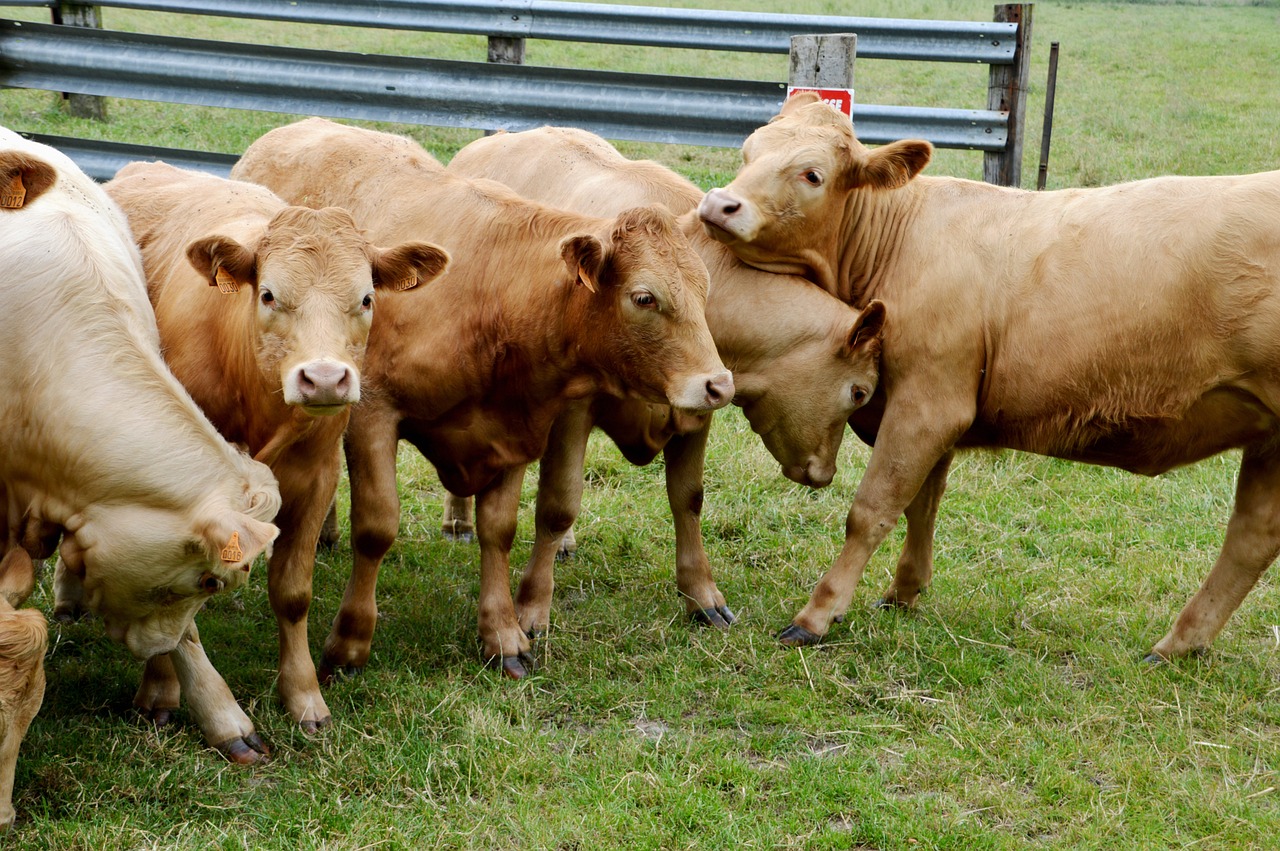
pixel 155 448
pixel 874 225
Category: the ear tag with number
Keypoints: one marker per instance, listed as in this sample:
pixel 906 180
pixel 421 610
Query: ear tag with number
pixel 231 553
pixel 226 283
pixel 15 194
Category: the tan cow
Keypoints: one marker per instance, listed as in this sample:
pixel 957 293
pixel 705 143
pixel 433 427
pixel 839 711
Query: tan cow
pixel 264 313
pixel 802 360
pixel 539 307
pixel 1136 326
pixel 156 511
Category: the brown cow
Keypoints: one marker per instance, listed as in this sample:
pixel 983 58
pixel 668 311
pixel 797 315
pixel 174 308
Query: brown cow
pixel 1133 326
pixel 539 307
pixel 264 313
pixel 103 447
pixel 802 361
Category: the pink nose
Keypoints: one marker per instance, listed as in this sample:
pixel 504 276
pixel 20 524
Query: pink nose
pixel 720 390
pixel 718 206
pixel 325 383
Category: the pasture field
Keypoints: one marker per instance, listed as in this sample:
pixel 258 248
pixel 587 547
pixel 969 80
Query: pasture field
pixel 1011 710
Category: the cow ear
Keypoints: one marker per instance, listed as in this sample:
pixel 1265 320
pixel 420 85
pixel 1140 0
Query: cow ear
pixel 795 102
pixel 224 263
pixel 892 166
pixel 237 539
pixel 23 179
pixel 584 255
pixel 867 328
pixel 406 266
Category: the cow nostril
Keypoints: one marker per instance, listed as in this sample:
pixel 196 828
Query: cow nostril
pixel 730 208
pixel 720 388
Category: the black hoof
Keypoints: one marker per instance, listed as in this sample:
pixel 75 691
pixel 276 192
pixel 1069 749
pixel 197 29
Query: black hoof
pixel 244 751
pixel 563 555
pixel 311 728
pixel 330 674
pixel 159 717
pixel 721 617
pixel 536 633
pixel 1154 659
pixel 798 636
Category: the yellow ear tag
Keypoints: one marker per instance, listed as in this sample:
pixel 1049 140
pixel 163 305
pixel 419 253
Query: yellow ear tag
pixel 14 194
pixel 405 283
pixel 226 283
pixel 232 553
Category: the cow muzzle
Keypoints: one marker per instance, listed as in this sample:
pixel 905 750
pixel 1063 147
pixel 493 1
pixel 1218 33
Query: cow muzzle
pixel 707 392
pixel 322 387
pixel 726 216
pixel 816 473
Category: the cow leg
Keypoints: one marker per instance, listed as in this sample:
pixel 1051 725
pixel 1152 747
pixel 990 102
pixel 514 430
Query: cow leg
pixel 68 594
pixel 24 635
pixel 684 455
pixel 457 524
pixel 17 576
pixel 1251 544
pixel 914 437
pixel 214 708
pixel 375 522
pixel 503 640
pixel 159 692
pixel 915 565
pixel 306 491
pixel 559 501
pixel 331 532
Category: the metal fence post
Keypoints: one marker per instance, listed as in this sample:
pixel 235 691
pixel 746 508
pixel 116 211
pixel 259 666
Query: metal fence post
pixel 80 15
pixel 1007 92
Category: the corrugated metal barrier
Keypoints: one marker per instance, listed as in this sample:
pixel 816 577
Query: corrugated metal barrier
pixel 659 108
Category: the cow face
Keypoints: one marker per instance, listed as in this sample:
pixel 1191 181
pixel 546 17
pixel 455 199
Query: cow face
pixel 647 328
pixel 789 207
pixel 800 399
pixel 148 584
pixel 314 277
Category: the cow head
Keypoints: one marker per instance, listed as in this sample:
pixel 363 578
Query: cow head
pixel 799 398
pixel 645 328
pixel 313 277
pixel 788 209
pixel 146 569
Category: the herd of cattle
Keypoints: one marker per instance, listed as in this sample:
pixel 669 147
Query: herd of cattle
pixel 189 355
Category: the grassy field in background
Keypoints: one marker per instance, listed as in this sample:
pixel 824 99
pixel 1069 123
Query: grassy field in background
pixel 1010 710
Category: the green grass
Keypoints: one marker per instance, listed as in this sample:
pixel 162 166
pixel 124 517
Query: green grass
pixel 1010 710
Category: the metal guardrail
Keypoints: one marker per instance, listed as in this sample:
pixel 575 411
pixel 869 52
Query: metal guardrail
pixel 756 32
pixel 671 109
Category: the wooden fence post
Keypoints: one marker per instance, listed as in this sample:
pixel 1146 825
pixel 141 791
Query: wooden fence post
pixel 1007 92
pixel 825 62
pixel 80 15
pixel 505 50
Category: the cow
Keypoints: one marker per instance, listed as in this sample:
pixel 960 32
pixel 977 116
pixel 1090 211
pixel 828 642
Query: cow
pixel 539 307
pixel 802 360
pixel 1133 326
pixel 264 312
pixel 106 459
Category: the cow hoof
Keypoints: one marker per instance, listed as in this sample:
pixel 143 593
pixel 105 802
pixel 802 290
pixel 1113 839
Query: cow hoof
pixel 458 537
pixel 312 727
pixel 330 674
pixel 536 634
pixel 563 555
pixel 247 750
pixel 514 667
pixel 1154 659
pixel 159 717
pixel 69 614
pixel 720 616
pixel 798 636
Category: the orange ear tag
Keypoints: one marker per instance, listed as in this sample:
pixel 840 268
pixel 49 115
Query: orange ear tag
pixel 405 283
pixel 14 194
pixel 226 283
pixel 232 553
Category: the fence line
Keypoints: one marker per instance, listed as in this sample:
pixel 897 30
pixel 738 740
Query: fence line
pixel 647 107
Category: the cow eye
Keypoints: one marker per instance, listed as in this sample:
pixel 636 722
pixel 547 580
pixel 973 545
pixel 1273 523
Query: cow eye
pixel 643 299
pixel 859 394
pixel 267 298
pixel 813 177
pixel 367 302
